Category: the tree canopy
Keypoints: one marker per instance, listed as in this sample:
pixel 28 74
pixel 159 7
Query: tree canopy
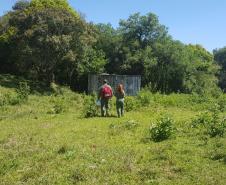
pixel 220 58
pixel 48 40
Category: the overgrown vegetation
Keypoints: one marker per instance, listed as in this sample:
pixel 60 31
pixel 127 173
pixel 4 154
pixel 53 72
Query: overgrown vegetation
pixel 49 133
pixel 162 129
pixel 15 98
pixel 211 122
pixel 49 41
pixel 90 108
pixel 45 140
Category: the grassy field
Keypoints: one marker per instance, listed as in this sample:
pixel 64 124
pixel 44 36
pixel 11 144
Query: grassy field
pixel 45 140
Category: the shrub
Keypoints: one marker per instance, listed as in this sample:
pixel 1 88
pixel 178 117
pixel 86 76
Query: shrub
pixel 203 119
pixel 58 108
pixel 3 99
pixel 131 103
pixel 221 101
pixel 217 129
pixel 20 96
pixel 56 89
pixel 23 91
pixel 144 97
pixel 58 105
pixel 62 149
pixel 90 109
pixel 217 126
pixel 162 129
pixel 9 99
pixel 211 122
pixel 13 99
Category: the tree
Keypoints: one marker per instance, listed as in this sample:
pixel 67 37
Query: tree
pixel 21 5
pixel 201 73
pixel 168 72
pixel 47 40
pixel 109 41
pixel 6 34
pixel 220 58
pixel 144 29
pixel 49 35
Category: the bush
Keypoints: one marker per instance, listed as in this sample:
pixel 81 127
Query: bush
pixel 204 118
pixel 144 97
pixel 131 103
pixel 20 96
pixel 221 101
pixel 58 105
pixel 58 108
pixel 90 109
pixel 211 122
pixel 9 99
pixel 4 99
pixel 23 91
pixel 217 129
pixel 13 99
pixel 162 129
pixel 56 89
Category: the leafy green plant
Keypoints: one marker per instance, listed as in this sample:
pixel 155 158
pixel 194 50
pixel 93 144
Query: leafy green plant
pixel 90 109
pixel 211 122
pixel 203 119
pixel 9 99
pixel 56 89
pixel 12 98
pixel 58 105
pixel 162 129
pixel 131 103
pixel 23 91
pixel 144 97
pixel 217 129
pixel 58 108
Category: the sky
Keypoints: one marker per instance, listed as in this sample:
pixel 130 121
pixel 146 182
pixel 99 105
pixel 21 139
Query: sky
pixel 190 21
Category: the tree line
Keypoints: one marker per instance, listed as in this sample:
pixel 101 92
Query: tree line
pixel 47 40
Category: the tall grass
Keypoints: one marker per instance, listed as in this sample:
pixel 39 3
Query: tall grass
pixel 62 148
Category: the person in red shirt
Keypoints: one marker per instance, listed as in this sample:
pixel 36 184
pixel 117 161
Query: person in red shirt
pixel 104 95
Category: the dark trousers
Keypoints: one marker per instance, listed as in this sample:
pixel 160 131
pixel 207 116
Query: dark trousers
pixel 104 107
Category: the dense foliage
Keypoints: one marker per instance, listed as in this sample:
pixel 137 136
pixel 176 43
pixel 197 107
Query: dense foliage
pixel 220 58
pixel 47 40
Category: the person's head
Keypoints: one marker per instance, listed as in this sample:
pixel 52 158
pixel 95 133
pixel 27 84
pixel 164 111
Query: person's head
pixel 105 81
pixel 120 88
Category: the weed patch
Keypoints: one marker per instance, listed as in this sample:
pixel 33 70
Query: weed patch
pixel 162 129
pixel 116 128
pixel 210 122
pixel 90 109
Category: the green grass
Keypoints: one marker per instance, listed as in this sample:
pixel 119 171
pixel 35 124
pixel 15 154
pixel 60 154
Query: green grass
pixel 38 146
